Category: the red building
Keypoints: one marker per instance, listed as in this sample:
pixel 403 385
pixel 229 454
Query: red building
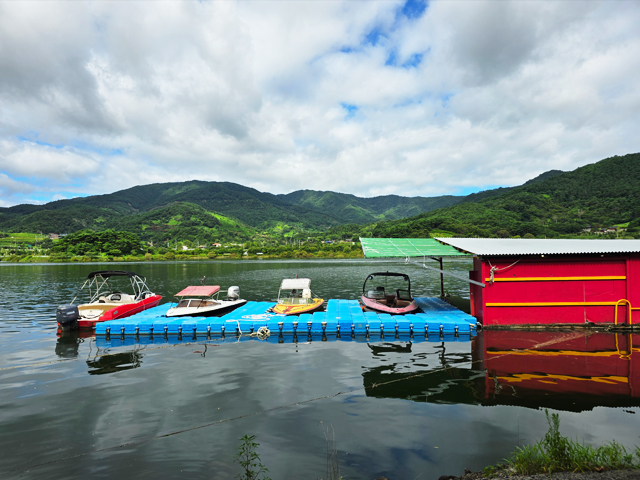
pixel 551 282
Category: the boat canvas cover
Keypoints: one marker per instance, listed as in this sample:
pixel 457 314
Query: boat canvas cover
pixel 407 247
pixel 295 283
pixel 198 291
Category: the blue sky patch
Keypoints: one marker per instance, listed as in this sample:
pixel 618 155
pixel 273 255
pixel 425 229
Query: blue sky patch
pixel 413 9
pixel 351 109
pixel 412 62
pixel 374 36
pixel 32 137
pixel 470 190
pixel 108 152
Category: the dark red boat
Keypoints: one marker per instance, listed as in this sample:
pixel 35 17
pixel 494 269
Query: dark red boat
pixel 378 296
pixel 105 303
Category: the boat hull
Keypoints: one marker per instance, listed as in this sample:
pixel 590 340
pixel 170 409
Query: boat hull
pixel 214 311
pixel 371 304
pixel 120 311
pixel 289 309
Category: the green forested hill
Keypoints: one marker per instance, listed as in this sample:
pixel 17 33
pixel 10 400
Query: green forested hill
pixel 150 211
pixel 248 205
pixel 352 209
pixel 601 194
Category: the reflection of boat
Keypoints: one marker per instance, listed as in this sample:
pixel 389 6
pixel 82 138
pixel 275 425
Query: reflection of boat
pixel 376 296
pixel 114 362
pixel 295 297
pixel 202 301
pixel 105 303
pixel 68 344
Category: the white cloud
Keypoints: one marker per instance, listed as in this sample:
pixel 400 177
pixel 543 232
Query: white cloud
pixel 113 94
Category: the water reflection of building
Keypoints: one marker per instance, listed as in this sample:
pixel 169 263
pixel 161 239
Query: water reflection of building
pixel 564 371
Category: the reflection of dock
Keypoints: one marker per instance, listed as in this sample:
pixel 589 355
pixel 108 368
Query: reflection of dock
pixel 564 371
pixel 342 317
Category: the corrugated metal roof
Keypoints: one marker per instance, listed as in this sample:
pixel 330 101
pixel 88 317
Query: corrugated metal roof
pixel 407 247
pixel 525 246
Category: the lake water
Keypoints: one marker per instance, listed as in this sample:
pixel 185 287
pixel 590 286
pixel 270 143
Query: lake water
pixel 75 407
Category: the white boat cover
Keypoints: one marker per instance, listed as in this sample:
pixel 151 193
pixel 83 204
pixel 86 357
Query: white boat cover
pixel 295 283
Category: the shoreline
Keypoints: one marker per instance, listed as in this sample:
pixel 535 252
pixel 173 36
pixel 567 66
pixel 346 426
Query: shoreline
pixel 605 475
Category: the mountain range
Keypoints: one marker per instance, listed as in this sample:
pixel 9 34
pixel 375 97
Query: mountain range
pixel 555 202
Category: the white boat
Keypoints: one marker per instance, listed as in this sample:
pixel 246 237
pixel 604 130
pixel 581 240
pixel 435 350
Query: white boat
pixel 202 301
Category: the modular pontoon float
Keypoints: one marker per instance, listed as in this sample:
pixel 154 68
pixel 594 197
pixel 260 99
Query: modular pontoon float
pixel 342 317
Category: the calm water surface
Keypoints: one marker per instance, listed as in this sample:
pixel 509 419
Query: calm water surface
pixel 75 407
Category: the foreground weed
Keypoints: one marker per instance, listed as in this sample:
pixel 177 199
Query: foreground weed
pixel 556 453
pixel 249 460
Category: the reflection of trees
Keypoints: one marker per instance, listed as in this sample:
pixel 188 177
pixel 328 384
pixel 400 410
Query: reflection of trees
pixel 114 362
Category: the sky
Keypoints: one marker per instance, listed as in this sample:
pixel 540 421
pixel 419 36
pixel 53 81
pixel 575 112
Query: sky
pixel 370 98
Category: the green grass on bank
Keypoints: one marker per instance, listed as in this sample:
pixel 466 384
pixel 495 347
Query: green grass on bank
pixel 556 453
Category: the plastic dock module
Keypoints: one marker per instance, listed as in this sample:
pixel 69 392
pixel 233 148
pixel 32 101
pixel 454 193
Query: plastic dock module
pixel 342 318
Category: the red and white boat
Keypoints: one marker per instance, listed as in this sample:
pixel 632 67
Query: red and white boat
pixel 202 301
pixel 106 303
pixel 379 296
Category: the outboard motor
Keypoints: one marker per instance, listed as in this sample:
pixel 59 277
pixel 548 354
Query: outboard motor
pixel 233 293
pixel 67 316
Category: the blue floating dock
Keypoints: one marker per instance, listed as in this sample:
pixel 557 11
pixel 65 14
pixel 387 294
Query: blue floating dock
pixel 343 318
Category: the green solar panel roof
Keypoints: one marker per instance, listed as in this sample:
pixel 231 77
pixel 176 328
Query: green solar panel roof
pixel 407 247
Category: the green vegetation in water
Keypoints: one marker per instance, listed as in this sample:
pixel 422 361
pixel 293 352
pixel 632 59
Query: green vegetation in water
pixel 249 459
pixel 556 453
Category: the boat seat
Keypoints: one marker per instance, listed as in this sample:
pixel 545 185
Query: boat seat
pixel 120 298
pixel 402 303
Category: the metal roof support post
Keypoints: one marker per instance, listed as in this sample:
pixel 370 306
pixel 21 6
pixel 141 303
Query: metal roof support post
pixel 441 279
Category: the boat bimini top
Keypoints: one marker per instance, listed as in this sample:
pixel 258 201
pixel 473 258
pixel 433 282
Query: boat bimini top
pixel 198 296
pixel 98 285
pixel 199 291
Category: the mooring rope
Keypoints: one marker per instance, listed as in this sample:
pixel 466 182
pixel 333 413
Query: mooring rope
pixel 496 269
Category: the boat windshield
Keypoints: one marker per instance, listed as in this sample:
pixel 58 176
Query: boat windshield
pixel 387 286
pixel 195 303
pixel 295 297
